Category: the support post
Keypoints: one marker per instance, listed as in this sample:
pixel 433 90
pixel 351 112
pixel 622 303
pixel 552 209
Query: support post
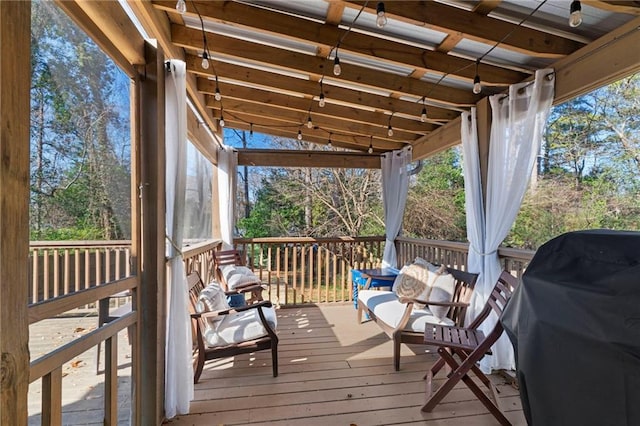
pixel 15 42
pixel 151 294
pixel 483 110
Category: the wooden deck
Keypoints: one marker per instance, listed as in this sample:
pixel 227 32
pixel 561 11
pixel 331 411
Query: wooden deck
pixel 332 371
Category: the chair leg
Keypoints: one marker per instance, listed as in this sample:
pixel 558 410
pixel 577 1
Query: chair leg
pixel 198 365
pixel 396 352
pixel 359 313
pixel 486 401
pixel 274 358
pixel 445 388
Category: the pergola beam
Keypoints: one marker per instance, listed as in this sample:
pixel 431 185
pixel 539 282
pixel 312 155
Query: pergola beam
pixel 326 36
pixel 287 60
pixel 298 159
pixel 478 27
pixel 604 61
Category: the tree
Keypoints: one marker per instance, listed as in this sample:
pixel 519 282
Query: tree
pixel 315 202
pixel 80 162
pixel 435 203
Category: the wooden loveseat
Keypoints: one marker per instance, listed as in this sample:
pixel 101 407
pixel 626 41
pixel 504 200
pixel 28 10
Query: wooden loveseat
pixel 404 319
pixel 220 331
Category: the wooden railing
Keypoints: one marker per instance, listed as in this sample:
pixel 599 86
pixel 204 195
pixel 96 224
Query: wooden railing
pixel 64 267
pixel 199 257
pixel 299 270
pixel 455 254
pixel 304 270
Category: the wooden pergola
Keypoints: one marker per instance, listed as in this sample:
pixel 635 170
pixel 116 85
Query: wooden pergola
pixel 268 61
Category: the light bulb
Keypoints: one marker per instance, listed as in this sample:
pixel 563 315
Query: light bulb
pixel 299 135
pixel 321 102
pixel 477 86
pixel 370 150
pixel 381 19
pixel 390 131
pixel 205 61
pixel 181 7
pixel 309 123
pixel 423 116
pixel 217 95
pixel 336 66
pixel 329 144
pixel 575 15
pixel 221 121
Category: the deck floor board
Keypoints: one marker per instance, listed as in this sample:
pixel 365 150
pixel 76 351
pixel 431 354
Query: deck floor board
pixel 333 371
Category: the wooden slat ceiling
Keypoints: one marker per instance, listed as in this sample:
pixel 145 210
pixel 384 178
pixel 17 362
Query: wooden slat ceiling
pixel 270 56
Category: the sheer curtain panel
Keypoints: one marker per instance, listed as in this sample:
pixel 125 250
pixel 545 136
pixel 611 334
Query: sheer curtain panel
pixel 227 166
pixel 395 183
pixel 178 368
pixel 516 132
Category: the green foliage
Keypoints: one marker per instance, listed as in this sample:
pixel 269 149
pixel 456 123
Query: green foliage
pixel 435 203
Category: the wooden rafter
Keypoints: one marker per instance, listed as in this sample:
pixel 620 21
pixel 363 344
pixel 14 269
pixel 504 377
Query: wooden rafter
pixel 478 27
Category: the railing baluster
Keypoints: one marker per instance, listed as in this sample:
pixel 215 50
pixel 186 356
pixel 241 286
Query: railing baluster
pixel 52 398
pixel 111 381
pixel 36 275
pixel 45 265
pixel 56 273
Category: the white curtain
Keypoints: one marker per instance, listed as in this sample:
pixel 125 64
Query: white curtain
pixel 516 132
pixel 395 183
pixel 227 166
pixel 178 368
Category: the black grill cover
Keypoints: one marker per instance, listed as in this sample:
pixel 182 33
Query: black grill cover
pixel 575 326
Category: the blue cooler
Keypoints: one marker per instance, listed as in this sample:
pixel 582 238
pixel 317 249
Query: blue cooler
pixel 236 300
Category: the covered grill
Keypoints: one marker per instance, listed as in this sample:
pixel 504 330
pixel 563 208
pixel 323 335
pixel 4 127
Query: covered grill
pixel 575 326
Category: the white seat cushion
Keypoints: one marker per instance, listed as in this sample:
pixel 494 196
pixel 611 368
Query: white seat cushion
pixel 238 327
pixel 235 276
pixel 388 309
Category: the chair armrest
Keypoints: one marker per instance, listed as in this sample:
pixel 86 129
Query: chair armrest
pixel 245 288
pixel 427 302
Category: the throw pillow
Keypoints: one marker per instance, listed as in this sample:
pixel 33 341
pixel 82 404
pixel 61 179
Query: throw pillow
pixel 212 298
pixel 442 288
pixel 430 266
pixel 413 282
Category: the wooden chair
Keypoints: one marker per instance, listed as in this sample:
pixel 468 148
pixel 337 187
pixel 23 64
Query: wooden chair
pixel 204 352
pixel 470 345
pixel 233 257
pixel 399 313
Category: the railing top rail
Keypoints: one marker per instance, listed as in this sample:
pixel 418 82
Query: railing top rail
pixel 456 245
pixel 276 240
pixel 514 253
pixel 79 244
pixel 201 247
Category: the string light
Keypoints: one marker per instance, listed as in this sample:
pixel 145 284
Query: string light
pixel 381 19
pixel 423 114
pixel 370 150
pixel 217 94
pixel 205 61
pixel 299 134
pixel 251 130
pixel 337 69
pixel 389 128
pixel 221 119
pixel 575 14
pixel 321 101
pixel 329 143
pixel 309 122
pixel 181 7
pixel 477 86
